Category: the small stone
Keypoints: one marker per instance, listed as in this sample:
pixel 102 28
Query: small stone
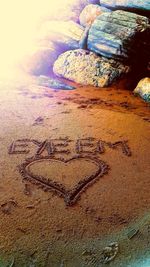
pixel 53 83
pixel 143 89
pixel 109 252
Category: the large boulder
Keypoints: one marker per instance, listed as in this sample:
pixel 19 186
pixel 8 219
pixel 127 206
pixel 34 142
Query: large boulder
pixel 60 32
pixel 120 35
pixel 87 68
pixel 89 14
pixel 130 5
pixel 143 89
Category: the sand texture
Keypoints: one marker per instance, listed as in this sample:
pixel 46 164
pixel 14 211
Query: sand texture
pixel 74 175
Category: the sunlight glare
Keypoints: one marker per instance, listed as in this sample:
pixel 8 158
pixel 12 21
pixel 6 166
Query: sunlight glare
pixel 19 23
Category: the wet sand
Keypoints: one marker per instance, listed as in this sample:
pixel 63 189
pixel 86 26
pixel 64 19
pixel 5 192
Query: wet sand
pixel 74 174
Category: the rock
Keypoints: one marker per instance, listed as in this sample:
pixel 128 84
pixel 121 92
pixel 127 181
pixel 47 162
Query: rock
pixel 84 39
pixel 55 38
pixel 109 252
pixel 143 89
pixel 120 35
pixel 89 14
pixel 92 2
pixel 53 83
pixel 67 33
pixel 87 68
pixel 134 5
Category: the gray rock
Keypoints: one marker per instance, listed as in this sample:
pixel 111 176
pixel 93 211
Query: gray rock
pixel 131 5
pixel 143 89
pixel 53 83
pixel 121 35
pixel 87 68
pixel 89 14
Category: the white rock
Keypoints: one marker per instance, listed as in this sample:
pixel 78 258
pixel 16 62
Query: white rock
pixel 143 89
pixel 89 14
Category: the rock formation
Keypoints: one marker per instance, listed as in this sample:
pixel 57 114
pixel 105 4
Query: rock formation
pixel 120 35
pixel 112 41
pixel 87 68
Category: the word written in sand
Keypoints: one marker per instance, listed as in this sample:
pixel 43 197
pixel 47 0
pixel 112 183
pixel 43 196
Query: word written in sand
pixel 51 147
pixel 67 178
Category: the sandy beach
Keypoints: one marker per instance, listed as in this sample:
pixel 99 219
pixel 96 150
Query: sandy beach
pixel 74 175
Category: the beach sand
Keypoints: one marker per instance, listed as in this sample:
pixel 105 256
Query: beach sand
pixel 74 175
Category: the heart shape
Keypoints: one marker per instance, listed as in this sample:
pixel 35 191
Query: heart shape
pixel 68 178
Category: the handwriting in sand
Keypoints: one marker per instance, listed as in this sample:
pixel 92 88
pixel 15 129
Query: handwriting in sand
pixel 63 146
pixel 45 152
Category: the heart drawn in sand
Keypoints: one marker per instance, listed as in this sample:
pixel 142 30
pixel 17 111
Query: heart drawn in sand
pixel 68 178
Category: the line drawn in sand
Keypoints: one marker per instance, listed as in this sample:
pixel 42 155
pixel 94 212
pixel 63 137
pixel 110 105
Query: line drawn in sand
pixel 51 174
pixel 61 145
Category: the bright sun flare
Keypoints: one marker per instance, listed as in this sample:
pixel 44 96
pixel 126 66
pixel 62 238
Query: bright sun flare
pixel 19 22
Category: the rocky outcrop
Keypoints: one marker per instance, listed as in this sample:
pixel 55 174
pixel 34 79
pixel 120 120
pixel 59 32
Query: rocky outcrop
pixel 130 5
pixel 87 68
pixel 143 89
pixel 120 35
pixel 89 14
pixel 66 33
